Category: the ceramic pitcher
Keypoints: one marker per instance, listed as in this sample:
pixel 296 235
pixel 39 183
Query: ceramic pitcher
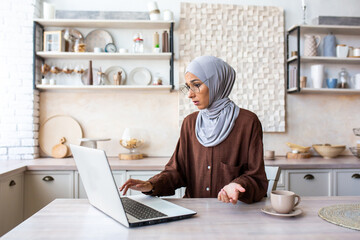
pixel 311 44
pixel 329 46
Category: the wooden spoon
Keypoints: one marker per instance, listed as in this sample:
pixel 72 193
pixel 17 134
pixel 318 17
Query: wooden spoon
pixel 60 150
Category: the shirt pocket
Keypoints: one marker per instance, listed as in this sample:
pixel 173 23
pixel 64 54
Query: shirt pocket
pixel 230 172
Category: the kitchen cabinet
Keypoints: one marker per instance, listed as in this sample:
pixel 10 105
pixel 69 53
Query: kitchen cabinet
pixel 347 182
pixel 42 187
pixel 309 182
pixel 116 58
pixel 300 65
pixel 119 176
pixel 320 182
pixel 11 202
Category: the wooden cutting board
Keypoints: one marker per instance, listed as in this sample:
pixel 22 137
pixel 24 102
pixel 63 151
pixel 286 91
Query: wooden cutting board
pixel 56 127
pixel 291 155
pixel 60 150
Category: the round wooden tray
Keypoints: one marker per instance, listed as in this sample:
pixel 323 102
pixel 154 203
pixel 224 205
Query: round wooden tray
pixel 57 127
pixel 130 156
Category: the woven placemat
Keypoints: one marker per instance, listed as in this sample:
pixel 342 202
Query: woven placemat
pixel 347 215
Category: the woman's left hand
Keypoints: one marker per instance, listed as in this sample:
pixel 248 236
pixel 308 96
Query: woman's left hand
pixel 230 193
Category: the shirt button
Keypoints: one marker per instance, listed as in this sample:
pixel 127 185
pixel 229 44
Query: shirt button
pixel 207 189
pixel 209 167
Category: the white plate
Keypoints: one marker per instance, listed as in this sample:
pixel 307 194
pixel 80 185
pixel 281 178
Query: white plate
pixel 97 38
pixel 269 210
pixel 139 76
pixel 109 73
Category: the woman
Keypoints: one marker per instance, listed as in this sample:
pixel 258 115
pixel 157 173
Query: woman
pixel 220 151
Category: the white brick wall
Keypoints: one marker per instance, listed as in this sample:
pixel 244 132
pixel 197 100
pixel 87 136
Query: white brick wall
pixel 19 103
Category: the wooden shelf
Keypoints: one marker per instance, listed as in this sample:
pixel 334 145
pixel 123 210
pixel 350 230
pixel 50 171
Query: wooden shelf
pixel 292 59
pixel 164 88
pixel 325 60
pixel 104 55
pixel 330 90
pixel 89 23
pixel 325 29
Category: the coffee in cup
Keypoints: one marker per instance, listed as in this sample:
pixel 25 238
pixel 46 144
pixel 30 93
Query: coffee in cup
pixel 283 201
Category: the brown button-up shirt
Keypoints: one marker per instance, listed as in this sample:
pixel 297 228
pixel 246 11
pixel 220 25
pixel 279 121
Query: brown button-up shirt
pixel 205 170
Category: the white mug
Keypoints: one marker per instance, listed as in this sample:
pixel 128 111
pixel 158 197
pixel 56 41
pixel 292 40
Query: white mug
pixel 356 52
pixel 44 81
pixel 356 81
pixel 317 75
pixel 97 49
pixel 342 51
pixel 168 15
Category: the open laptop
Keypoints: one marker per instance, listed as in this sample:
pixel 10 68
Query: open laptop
pixel 102 192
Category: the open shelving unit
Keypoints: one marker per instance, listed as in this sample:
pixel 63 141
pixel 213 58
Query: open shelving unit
pixel 104 88
pixel 299 30
pixel 107 24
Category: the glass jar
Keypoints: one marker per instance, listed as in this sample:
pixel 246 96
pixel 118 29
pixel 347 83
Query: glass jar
pixel 343 78
pixel 80 46
pixel 138 46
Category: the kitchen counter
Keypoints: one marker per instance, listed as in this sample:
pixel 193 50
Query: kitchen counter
pixel 77 219
pixel 10 167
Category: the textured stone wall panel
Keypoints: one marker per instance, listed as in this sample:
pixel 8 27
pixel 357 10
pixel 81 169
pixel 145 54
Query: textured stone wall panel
pixel 251 40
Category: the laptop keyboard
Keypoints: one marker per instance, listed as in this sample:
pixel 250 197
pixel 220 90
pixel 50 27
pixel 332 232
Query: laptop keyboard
pixel 139 210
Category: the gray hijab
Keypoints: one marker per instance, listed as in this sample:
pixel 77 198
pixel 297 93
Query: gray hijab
pixel 215 123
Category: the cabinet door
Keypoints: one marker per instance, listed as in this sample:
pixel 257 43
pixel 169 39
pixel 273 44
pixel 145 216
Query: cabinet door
pixel 309 182
pixel 119 176
pixel 347 182
pixel 145 175
pixel 11 202
pixel 42 187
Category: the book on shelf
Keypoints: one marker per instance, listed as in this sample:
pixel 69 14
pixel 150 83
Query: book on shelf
pixel 292 77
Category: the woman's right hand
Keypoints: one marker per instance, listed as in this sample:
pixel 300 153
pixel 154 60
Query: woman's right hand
pixel 138 185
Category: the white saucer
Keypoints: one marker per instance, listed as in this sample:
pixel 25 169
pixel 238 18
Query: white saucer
pixel 271 211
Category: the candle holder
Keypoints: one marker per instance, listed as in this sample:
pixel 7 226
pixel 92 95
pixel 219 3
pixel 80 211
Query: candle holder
pixel 304 14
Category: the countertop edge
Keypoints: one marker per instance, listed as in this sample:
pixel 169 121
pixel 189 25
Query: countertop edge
pixel 12 167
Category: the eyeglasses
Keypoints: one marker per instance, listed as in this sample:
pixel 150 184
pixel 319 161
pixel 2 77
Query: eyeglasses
pixel 195 88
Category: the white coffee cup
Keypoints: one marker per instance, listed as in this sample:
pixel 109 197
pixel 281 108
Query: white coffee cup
pixel 283 201
pixel 44 81
pixel 123 50
pixel 317 75
pixel 48 10
pixel 52 81
pixel 97 49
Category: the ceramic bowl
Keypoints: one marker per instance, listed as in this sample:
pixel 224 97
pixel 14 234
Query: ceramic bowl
pixel 329 151
pixel 355 151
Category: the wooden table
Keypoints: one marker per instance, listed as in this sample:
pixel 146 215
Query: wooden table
pixel 77 219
